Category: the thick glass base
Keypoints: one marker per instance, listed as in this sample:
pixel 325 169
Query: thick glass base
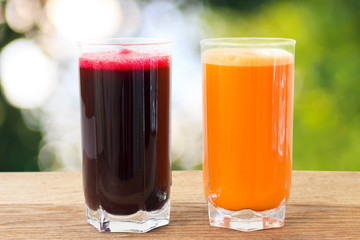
pixel 247 220
pixel 139 222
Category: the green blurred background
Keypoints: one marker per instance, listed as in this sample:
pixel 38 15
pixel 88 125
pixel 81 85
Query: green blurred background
pixel 327 77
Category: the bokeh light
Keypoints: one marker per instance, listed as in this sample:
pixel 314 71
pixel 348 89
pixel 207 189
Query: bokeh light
pixel 28 77
pixel 21 15
pixel 40 78
pixel 131 19
pixel 84 19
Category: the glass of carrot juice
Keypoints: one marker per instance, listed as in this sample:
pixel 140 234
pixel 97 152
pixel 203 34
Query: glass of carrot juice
pixel 248 88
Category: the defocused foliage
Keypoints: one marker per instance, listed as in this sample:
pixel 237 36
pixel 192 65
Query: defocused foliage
pixel 19 145
pixel 327 78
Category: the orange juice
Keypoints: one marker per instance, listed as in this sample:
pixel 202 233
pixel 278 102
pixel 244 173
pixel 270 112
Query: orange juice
pixel 248 105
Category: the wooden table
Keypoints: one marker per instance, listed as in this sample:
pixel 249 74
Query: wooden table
pixel 323 205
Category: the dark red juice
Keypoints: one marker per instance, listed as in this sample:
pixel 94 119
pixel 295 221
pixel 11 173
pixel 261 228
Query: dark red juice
pixel 125 130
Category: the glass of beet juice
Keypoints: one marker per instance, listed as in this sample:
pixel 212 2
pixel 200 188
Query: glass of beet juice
pixel 125 115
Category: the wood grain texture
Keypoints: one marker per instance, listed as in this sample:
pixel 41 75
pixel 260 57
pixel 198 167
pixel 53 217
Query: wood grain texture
pixel 323 205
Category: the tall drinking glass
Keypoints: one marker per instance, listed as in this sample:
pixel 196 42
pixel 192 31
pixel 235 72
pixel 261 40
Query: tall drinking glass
pixel 248 114
pixel 125 109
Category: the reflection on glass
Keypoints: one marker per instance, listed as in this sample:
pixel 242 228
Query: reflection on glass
pixel 125 111
pixel 248 105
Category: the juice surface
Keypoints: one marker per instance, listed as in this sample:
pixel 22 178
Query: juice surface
pixel 125 96
pixel 248 105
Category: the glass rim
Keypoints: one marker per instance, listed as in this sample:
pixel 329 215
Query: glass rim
pixel 243 41
pixel 125 42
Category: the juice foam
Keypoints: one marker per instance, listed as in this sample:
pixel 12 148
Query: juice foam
pixel 247 57
pixel 125 59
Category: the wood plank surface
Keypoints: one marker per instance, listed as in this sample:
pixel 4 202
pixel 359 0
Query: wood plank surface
pixel 323 205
